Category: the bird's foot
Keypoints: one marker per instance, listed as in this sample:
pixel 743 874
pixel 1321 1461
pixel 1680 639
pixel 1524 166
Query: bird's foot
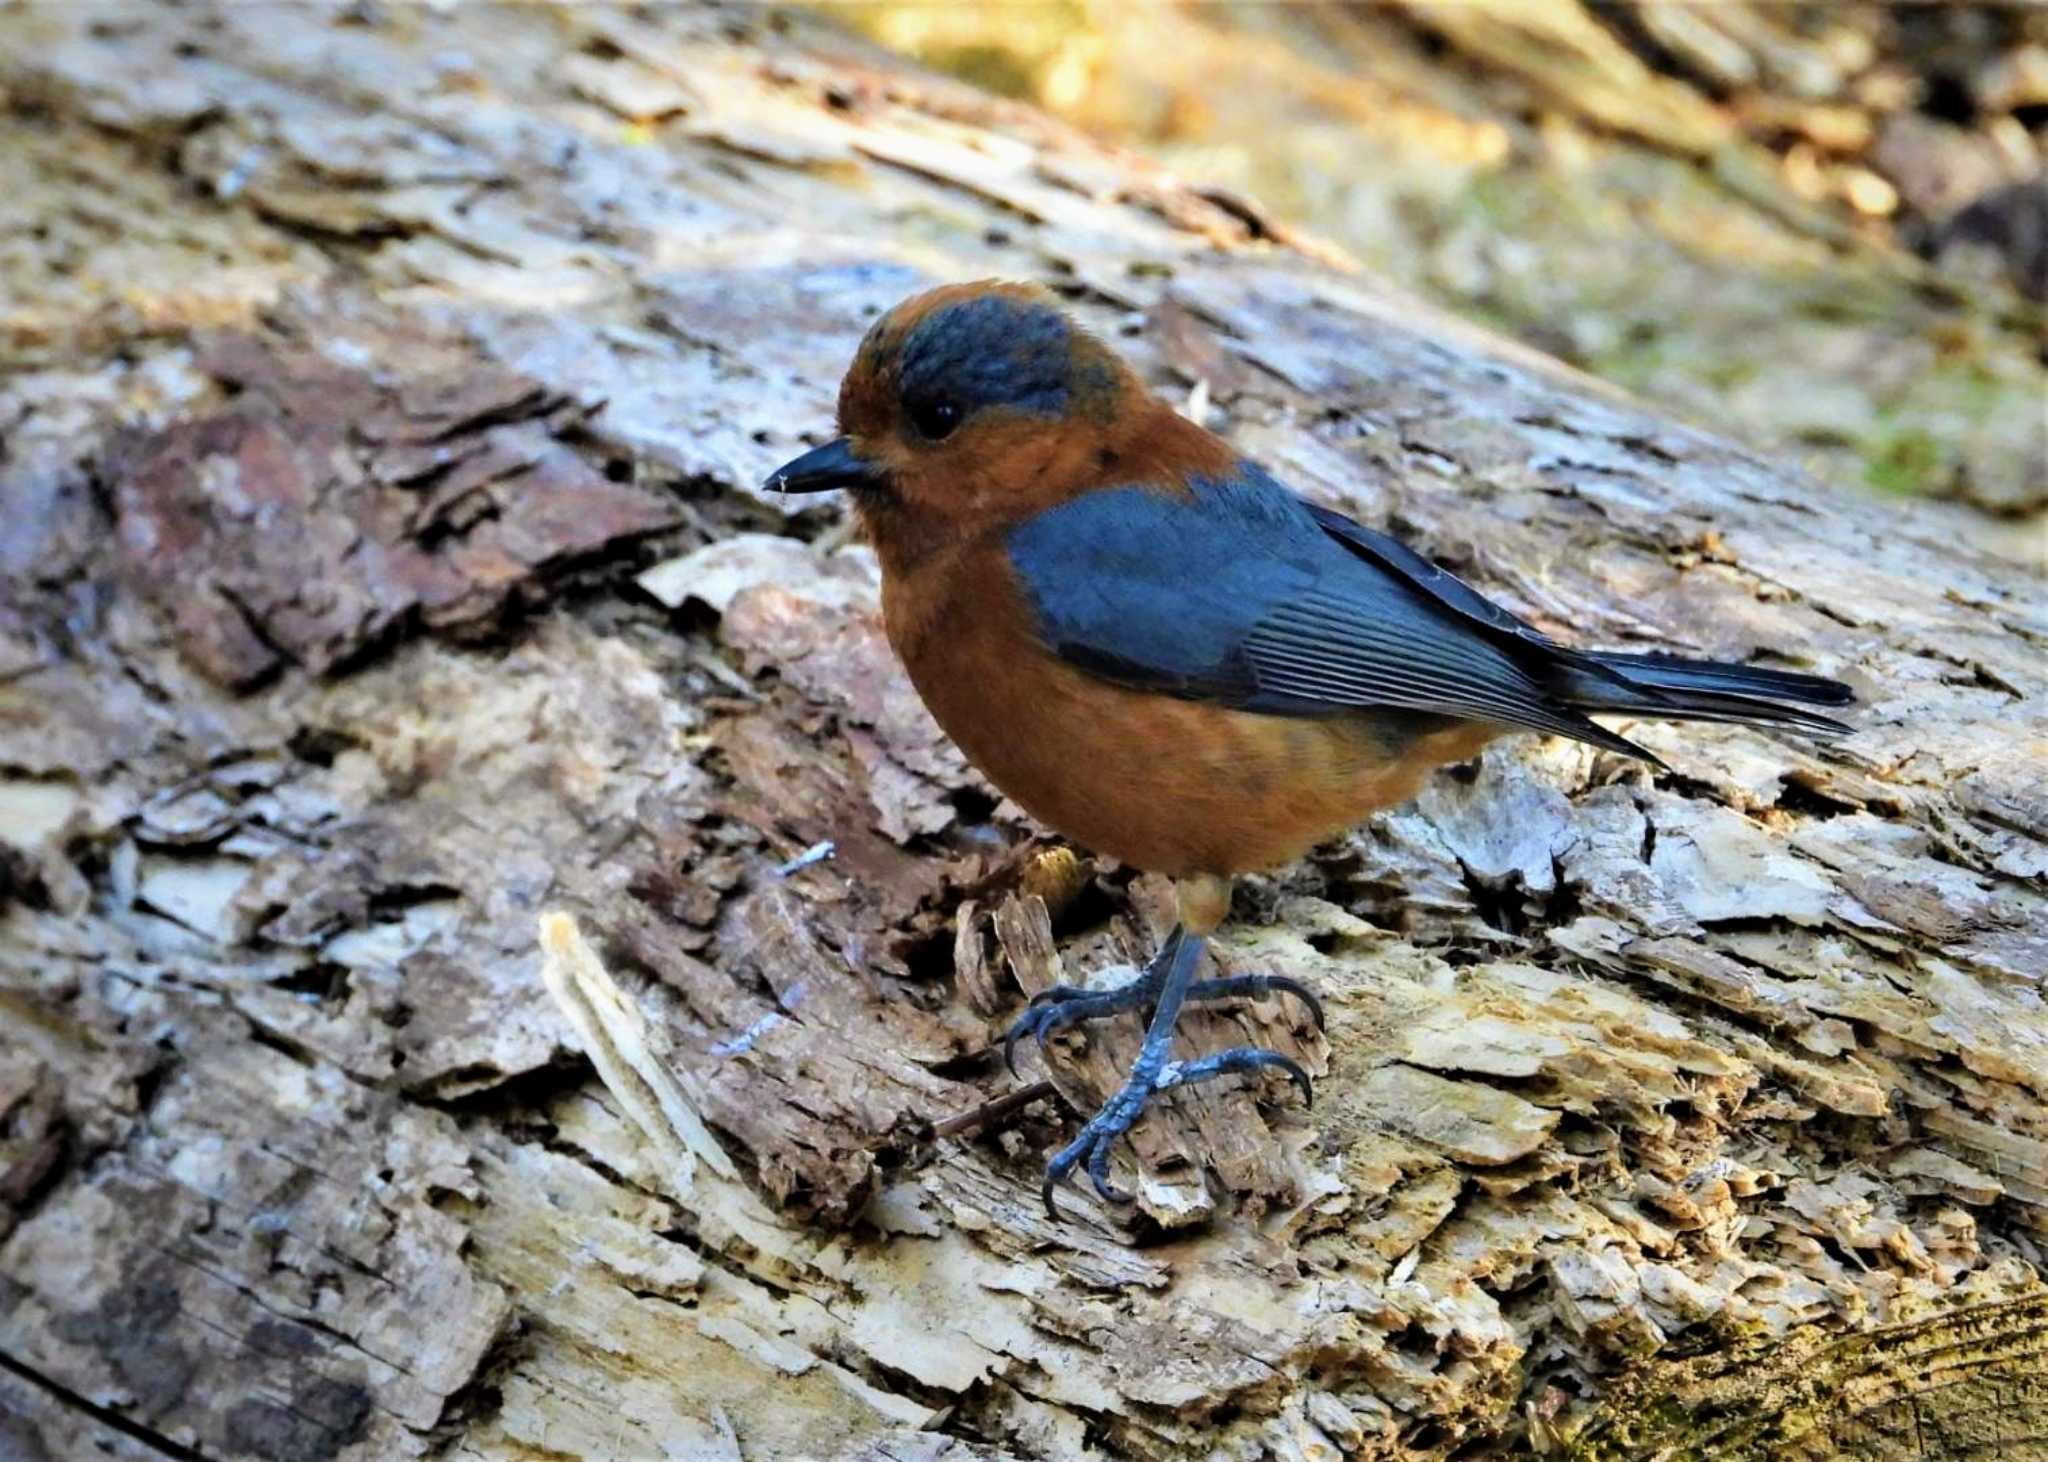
pixel 1065 1005
pixel 1090 1149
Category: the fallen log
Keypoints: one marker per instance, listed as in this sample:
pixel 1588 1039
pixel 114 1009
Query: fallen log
pixel 385 565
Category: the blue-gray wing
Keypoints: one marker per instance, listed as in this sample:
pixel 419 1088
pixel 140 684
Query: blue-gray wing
pixel 1239 593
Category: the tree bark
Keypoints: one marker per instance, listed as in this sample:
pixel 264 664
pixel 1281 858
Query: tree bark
pixel 385 568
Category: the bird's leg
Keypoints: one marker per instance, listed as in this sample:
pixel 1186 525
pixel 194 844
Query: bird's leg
pixel 1064 1005
pixel 1203 903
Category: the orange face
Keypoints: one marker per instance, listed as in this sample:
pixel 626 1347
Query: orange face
pixel 969 406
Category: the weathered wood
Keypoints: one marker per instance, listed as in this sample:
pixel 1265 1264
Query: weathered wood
pixel 370 359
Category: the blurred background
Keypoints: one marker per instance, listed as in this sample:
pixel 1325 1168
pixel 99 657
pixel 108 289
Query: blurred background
pixel 1822 228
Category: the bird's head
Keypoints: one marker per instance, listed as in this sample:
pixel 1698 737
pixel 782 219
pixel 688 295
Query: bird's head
pixel 970 406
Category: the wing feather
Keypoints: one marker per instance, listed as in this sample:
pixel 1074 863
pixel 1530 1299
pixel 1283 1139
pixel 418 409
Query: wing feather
pixel 1239 594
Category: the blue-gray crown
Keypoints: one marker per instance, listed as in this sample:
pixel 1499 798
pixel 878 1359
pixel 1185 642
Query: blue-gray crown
pixel 993 350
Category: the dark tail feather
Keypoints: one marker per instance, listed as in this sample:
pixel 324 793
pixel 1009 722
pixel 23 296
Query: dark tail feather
pixel 1668 688
pixel 1670 672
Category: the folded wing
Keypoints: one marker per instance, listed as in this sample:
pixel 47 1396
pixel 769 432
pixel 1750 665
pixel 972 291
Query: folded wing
pixel 1242 593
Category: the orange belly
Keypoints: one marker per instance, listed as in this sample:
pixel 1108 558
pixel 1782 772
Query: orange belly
pixel 1174 786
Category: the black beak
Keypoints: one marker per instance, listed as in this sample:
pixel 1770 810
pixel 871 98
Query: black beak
pixel 822 469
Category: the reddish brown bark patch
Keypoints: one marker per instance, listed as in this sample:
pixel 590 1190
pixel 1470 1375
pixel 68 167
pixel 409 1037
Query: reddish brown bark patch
pixel 328 507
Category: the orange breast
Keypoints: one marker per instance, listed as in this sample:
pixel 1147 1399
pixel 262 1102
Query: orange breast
pixel 1173 786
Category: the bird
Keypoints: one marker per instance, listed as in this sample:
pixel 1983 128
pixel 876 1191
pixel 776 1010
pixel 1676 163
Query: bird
pixel 1165 655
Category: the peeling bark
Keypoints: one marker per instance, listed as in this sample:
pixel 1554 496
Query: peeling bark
pixel 384 566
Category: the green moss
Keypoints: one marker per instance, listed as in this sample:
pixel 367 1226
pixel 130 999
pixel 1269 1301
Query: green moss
pixel 992 68
pixel 1908 461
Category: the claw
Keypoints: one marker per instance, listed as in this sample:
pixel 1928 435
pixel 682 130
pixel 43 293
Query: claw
pixel 1095 1142
pixel 1302 993
pixel 1010 1038
pixel 1259 986
pixel 1240 1058
pixel 1063 1163
pixel 1098 1172
pixel 1043 1020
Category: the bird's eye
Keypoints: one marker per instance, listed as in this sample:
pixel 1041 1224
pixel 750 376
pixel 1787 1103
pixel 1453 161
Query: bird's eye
pixel 934 417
